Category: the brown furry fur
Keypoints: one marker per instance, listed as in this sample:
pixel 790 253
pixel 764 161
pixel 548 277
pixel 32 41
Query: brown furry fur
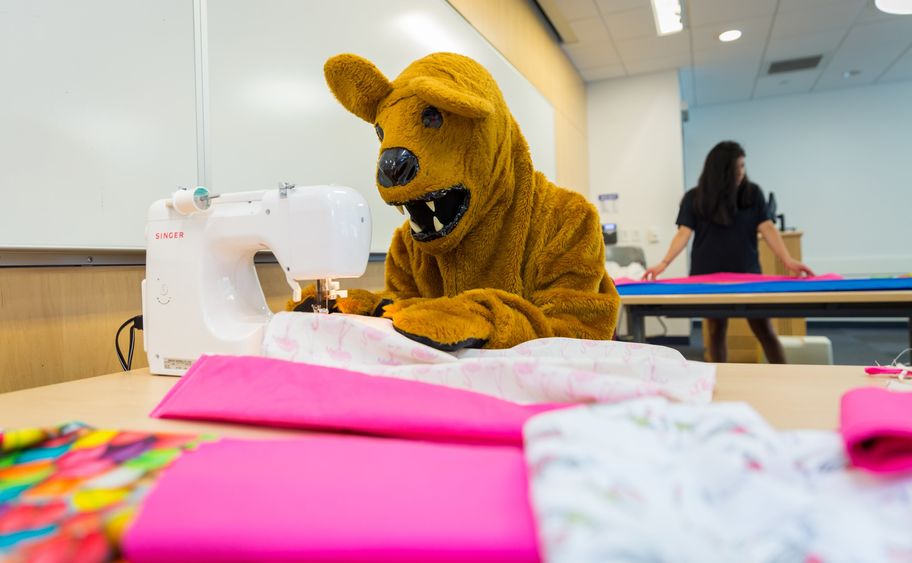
pixel 525 261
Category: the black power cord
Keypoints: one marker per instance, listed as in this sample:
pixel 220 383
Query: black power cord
pixel 135 323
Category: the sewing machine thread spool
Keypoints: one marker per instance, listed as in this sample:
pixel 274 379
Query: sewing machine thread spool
pixel 187 202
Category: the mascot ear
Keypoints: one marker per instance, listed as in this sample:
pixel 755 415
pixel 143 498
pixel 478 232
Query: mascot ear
pixel 357 84
pixel 450 97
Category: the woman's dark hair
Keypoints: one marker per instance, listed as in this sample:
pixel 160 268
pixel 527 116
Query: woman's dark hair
pixel 718 195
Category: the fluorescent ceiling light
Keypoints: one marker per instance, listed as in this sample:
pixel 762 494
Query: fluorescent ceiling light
pixel 894 6
pixel 667 16
pixel 730 35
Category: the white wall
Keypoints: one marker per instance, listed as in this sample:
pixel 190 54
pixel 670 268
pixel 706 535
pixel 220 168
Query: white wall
pixel 635 150
pixel 839 162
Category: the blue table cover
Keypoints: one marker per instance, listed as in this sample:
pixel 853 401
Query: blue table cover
pixel 866 284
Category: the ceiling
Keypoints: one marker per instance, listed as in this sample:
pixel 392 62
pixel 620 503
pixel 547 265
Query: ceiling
pixel 617 38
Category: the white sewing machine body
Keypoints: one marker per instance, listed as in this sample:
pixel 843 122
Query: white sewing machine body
pixel 201 294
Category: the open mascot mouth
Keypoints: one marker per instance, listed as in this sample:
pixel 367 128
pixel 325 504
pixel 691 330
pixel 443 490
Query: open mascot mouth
pixel 437 213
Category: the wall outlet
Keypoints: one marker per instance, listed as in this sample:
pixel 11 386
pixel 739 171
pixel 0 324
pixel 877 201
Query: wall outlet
pixel 634 235
pixel 622 235
pixel 652 235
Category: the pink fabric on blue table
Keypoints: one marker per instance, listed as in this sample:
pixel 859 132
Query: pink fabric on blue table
pixel 876 426
pixel 730 277
pixel 887 370
pixel 338 499
pixel 269 392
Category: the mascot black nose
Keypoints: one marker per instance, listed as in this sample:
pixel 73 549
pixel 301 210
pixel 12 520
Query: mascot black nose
pixel 397 167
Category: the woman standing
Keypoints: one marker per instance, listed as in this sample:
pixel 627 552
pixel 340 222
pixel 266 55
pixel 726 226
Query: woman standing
pixel 726 211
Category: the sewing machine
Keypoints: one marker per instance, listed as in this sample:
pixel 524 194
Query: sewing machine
pixel 201 294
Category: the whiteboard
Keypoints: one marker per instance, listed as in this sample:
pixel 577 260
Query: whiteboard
pixel 97 118
pixel 120 102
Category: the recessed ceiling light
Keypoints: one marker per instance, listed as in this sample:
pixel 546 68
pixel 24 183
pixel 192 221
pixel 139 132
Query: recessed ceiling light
pixel 851 73
pixel 901 7
pixel 730 35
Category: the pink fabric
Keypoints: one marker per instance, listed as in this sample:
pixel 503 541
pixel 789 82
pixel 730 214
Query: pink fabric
pixel 338 499
pixel 876 426
pixel 728 277
pixel 269 392
pixel 887 370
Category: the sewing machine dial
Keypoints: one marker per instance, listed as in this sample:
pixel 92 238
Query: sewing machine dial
pixel 163 298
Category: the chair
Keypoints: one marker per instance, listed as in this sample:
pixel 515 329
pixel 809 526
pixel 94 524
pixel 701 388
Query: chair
pixel 625 255
pixel 816 350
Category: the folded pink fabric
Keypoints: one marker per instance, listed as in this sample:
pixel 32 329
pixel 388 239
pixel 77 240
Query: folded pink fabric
pixel 268 392
pixel 338 499
pixel 876 426
pixel 886 370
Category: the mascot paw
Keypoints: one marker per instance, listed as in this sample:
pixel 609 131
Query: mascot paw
pixel 358 302
pixel 445 323
pixel 361 302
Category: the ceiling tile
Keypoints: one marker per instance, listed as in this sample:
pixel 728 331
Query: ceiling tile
pixel 870 48
pixel 786 6
pixel 870 13
pixel 900 70
pixel 590 30
pixel 609 6
pixel 644 66
pixel 629 24
pixel 654 47
pixel 708 12
pixel 802 22
pixel 730 54
pixel 618 38
pixel 603 73
pixel 786 83
pixel 590 55
pixel 823 43
pixel 576 9
pixel 753 30
pixel 722 83
pixel 898 28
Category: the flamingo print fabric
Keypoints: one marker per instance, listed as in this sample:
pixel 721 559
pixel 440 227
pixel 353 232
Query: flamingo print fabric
pixel 546 370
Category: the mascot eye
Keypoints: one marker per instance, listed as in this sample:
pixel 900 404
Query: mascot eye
pixel 379 131
pixel 431 117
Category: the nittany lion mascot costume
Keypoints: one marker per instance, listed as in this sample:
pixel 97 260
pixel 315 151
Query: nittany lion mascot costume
pixel 492 254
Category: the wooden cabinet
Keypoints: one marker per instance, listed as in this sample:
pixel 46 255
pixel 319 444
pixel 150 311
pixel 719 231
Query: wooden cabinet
pixel 743 347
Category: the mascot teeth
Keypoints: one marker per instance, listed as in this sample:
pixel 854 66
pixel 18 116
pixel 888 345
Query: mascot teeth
pixel 435 214
pixel 401 209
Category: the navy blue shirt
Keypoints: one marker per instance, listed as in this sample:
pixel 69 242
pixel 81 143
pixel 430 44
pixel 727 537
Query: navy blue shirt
pixel 725 248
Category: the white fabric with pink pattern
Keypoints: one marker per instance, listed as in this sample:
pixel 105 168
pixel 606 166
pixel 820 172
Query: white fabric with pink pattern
pixel 547 370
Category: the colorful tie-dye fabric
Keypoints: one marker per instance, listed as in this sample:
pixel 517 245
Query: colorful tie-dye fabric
pixel 68 493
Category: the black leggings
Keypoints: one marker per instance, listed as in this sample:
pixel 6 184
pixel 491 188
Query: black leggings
pixel 762 329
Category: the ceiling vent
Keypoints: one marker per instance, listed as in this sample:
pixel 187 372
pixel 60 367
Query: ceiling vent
pixel 791 65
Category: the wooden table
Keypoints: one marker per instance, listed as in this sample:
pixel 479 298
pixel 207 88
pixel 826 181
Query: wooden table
pixel 789 397
pixel 890 303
